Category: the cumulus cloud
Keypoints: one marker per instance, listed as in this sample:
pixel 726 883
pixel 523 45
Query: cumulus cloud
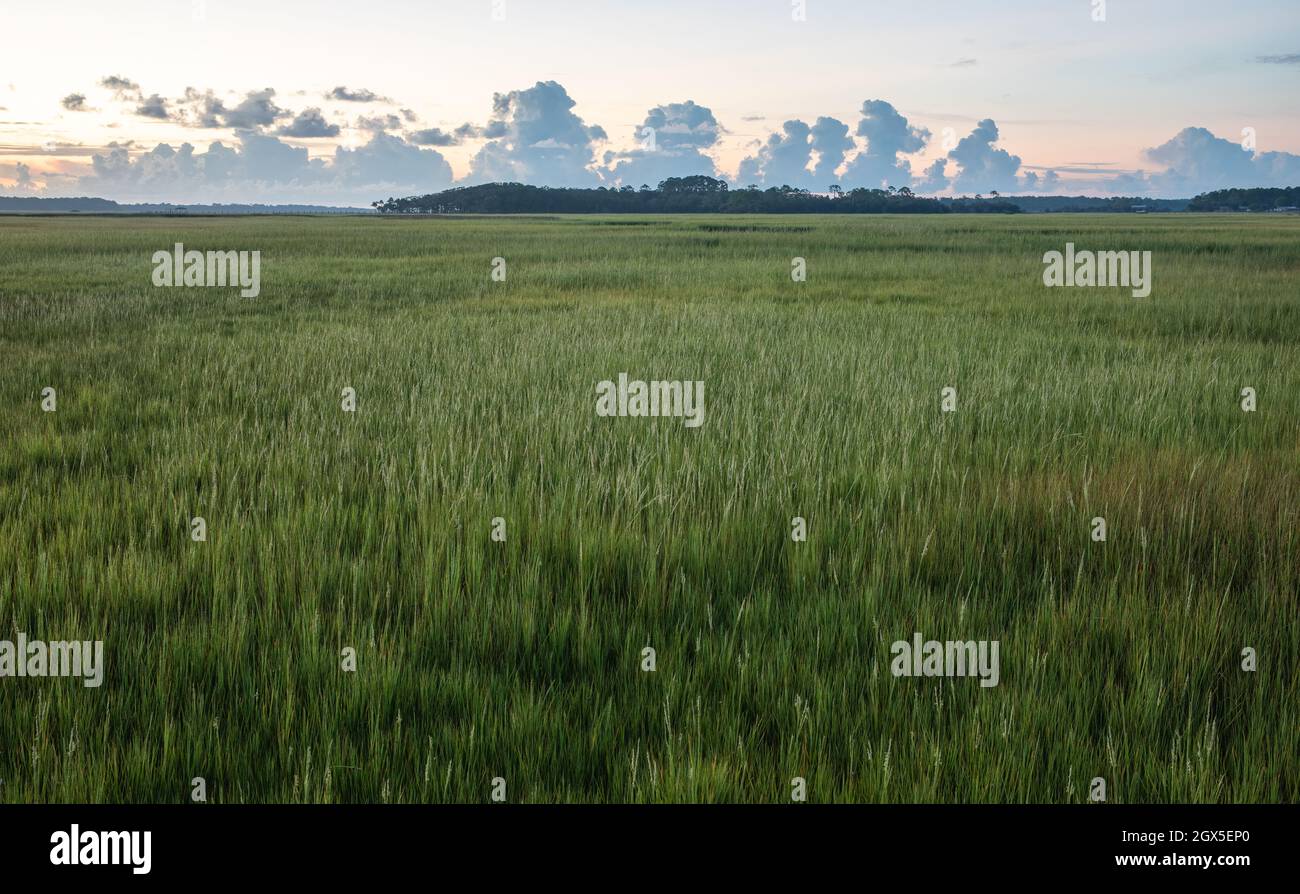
pixel 934 178
pixel 202 109
pixel 1126 183
pixel 307 124
pixel 831 143
pixel 122 87
pixel 434 136
pixel 888 135
pixel 1046 182
pixel 536 138
pixel 258 109
pixel 379 123
pixel 343 94
pixel 783 160
pixel 24 182
pixel 390 161
pixel 153 107
pixel 800 156
pixel 1197 161
pixel 268 160
pixel 255 111
pixel 983 167
pixel 670 143
pixel 262 168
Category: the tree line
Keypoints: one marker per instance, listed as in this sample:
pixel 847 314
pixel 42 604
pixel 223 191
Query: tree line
pixel 682 195
pixel 1263 199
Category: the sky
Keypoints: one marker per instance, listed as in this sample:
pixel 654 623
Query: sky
pixel 342 102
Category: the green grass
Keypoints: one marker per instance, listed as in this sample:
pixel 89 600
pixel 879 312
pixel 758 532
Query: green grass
pixel 522 660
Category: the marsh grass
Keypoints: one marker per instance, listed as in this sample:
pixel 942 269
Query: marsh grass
pixel 476 399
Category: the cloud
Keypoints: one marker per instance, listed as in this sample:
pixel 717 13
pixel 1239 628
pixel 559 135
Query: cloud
pixel 683 125
pixel 783 160
pixel 24 183
pixel 1130 183
pixel 1197 161
pixel 203 109
pixel 262 168
pixel 536 138
pixel 1286 59
pixel 434 136
pixel 390 161
pixel 379 123
pixel 1046 182
pixel 800 156
pixel 153 107
pixel 121 87
pixel 832 143
pixel 670 143
pixel 308 124
pixel 267 159
pixel 343 94
pixel 964 63
pixel 494 130
pixel 934 178
pixel 888 135
pixel 258 109
pixel 984 167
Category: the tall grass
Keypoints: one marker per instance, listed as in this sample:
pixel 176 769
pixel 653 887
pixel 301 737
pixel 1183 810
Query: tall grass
pixel 521 659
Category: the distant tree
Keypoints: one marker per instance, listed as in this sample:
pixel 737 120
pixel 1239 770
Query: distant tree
pixel 696 183
pixel 1256 199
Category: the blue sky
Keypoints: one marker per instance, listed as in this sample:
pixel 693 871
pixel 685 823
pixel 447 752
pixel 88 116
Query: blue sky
pixel 941 95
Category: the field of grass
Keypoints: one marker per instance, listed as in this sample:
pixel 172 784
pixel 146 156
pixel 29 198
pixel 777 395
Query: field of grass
pixel 522 660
